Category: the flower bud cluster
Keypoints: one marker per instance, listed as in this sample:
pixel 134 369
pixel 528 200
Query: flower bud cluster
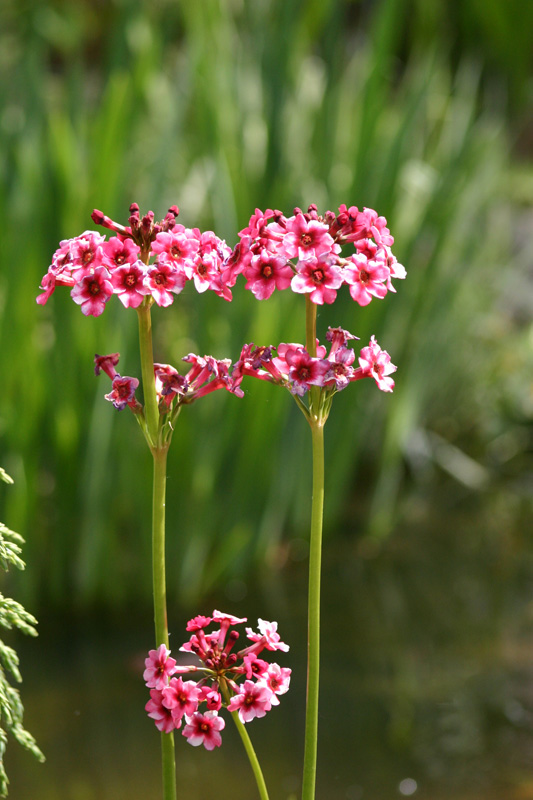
pixel 291 365
pixel 303 252
pixel 145 259
pixel 238 681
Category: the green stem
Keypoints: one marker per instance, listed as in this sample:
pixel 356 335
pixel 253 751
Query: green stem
pixel 310 327
pixel 248 746
pixel 151 410
pixel 159 453
pixel 160 601
pixel 313 640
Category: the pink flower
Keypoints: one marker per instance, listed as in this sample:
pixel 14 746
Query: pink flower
pixel 128 283
pixel 305 371
pixel 106 364
pixel 220 616
pixel 321 277
pixel 253 666
pixel 204 729
pixel 396 269
pixel 266 273
pixel 341 370
pixel 92 292
pixel 267 636
pixel 176 246
pixel 252 700
pixel 366 279
pixel 122 392
pixel 86 253
pixel 211 697
pixel 156 710
pixel 277 679
pixel 162 281
pixel 375 363
pixel 159 667
pixel 181 697
pixel 118 252
pixel 306 238
pixel 198 623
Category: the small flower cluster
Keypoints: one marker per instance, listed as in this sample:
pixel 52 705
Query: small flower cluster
pixel 240 682
pixel 145 259
pixel 294 368
pixel 303 252
pixel 206 375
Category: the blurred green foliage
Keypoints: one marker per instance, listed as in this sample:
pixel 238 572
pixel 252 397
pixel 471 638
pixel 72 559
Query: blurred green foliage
pixel 408 107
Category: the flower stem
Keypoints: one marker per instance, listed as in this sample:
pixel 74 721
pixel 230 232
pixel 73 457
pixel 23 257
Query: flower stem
pixel 248 746
pixel 151 410
pixel 159 454
pixel 160 602
pixel 313 635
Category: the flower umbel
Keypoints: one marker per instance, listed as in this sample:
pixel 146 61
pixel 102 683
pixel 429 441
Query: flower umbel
pixel 238 681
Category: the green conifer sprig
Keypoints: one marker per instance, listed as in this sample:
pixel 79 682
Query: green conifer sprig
pixel 12 615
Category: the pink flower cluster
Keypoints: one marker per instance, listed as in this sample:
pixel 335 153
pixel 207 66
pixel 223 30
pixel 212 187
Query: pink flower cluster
pixel 239 681
pixel 145 259
pixel 206 375
pixel 294 368
pixel 303 252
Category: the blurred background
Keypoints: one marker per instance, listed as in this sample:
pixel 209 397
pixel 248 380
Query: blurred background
pixel 419 110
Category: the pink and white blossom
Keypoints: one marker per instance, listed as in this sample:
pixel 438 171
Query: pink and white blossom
pixel 376 363
pixel 92 292
pixel 159 667
pixel 252 700
pixel 204 729
pixel 164 721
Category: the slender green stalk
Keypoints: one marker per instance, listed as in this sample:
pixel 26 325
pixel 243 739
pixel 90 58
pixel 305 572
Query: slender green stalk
pixel 248 746
pixel 310 326
pixel 313 640
pixel 147 369
pixel 160 602
pixel 159 453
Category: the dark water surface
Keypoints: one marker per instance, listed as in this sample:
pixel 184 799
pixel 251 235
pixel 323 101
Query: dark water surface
pixel 427 684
